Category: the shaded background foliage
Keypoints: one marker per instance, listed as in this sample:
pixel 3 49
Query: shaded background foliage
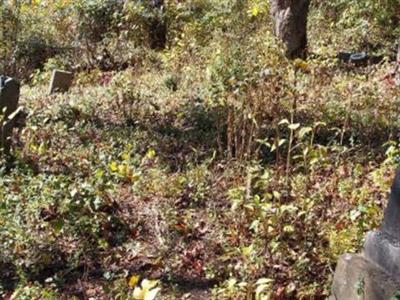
pixel 86 27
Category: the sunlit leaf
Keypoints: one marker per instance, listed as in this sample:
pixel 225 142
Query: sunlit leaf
pixel 284 121
pixel 276 195
pixel 151 294
pixel 303 131
pixel 288 229
pixel 294 126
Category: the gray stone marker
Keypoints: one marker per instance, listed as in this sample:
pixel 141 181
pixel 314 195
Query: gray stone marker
pixel 383 247
pixel 376 272
pixel 9 96
pixel 61 81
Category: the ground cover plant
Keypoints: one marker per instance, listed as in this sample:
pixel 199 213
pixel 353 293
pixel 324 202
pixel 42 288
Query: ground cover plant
pixel 213 169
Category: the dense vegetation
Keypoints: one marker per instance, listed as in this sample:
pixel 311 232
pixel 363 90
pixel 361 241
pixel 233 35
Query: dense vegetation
pixel 214 168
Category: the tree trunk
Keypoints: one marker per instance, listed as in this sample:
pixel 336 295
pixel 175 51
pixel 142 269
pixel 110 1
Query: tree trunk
pixel 397 69
pixel 290 25
pixel 158 27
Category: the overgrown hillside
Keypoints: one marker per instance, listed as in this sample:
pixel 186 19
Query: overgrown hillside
pixel 212 169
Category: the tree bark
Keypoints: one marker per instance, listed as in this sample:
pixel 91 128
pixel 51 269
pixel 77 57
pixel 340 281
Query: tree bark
pixel 290 25
pixel 158 27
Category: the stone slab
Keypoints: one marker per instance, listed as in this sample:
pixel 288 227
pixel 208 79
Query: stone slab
pixel 61 81
pixel 358 278
pixel 391 221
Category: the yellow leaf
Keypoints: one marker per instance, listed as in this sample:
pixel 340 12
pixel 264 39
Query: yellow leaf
pixel 133 281
pixel 114 166
pixel 247 251
pixel 301 64
pixel 126 156
pixel 42 149
pixel 151 154
pixel 255 11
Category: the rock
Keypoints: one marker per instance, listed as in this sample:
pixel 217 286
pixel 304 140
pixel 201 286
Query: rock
pixel 61 81
pixel 9 96
pixel 358 278
pixel 384 251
